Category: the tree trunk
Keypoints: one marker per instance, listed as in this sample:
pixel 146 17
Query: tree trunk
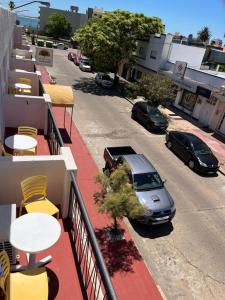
pixel 115 225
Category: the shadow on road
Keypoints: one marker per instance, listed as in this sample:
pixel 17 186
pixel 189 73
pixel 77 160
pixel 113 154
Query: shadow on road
pixel 119 256
pixel 152 232
pixel 88 85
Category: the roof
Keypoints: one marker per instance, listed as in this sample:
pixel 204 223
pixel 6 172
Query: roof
pixel 61 95
pixel 190 136
pixel 139 163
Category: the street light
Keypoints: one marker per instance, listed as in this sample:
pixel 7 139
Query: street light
pixel 41 2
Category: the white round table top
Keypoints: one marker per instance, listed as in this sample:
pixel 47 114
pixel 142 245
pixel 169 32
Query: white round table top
pixel 20 142
pixel 34 232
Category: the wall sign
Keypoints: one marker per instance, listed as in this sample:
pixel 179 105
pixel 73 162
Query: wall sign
pixel 179 69
pixel 188 100
pixel 44 56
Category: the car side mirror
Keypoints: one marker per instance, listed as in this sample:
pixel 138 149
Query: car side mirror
pixel 164 181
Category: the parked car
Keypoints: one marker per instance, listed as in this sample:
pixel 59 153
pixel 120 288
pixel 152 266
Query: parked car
pixel 77 59
pixel 104 80
pixel 149 116
pixel 62 46
pixel 193 151
pixel 71 56
pixel 85 65
pixel 150 190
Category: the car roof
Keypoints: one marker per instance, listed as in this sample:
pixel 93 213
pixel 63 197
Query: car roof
pixel 190 136
pixel 139 163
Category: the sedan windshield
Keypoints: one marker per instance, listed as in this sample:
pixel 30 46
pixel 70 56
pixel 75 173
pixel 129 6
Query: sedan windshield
pixel 154 112
pixel 106 77
pixel 200 148
pixel 147 181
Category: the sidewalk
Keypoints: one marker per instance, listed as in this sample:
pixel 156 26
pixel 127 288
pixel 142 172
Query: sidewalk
pixel 181 121
pixel 130 277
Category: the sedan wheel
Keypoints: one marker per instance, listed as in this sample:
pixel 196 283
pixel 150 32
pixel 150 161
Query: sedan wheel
pixel 191 164
pixel 169 144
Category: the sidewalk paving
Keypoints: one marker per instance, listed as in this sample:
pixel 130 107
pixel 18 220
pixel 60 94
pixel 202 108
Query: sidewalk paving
pixel 129 274
pixel 180 121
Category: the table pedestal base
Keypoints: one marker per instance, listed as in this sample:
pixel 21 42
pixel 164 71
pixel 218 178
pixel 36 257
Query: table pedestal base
pixel 32 264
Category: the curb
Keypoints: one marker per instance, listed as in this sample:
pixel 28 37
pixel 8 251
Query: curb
pixel 221 172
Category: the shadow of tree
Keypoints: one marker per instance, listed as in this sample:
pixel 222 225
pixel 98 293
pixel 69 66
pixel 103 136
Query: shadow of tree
pixel 152 232
pixel 88 85
pixel 119 255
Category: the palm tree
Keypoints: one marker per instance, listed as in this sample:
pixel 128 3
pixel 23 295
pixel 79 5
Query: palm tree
pixel 11 5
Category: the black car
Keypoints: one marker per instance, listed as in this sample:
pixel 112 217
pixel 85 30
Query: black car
pixel 149 116
pixel 193 151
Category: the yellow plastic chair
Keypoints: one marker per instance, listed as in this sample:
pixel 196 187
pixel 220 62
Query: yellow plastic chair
pixel 25 81
pixel 31 284
pixel 35 198
pixel 4 152
pixel 31 131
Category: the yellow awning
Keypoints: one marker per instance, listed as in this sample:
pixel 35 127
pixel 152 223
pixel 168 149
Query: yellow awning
pixel 61 95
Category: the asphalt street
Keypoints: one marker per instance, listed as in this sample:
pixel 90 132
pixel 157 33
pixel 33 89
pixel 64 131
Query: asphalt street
pixel 186 258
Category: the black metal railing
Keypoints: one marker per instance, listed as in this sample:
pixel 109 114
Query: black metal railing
pixel 54 137
pixel 95 278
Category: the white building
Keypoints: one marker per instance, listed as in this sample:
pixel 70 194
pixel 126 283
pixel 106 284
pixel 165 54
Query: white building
pixel 200 92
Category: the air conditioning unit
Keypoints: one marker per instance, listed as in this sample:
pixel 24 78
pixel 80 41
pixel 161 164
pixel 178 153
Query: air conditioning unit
pixel 7 216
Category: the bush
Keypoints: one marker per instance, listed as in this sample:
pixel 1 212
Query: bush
pixel 131 90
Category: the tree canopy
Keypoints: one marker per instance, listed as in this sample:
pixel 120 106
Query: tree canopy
pixel 117 196
pixel 58 26
pixel 204 34
pixel 156 88
pixel 110 38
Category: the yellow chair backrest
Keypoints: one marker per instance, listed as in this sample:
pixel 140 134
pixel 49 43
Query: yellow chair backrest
pixel 24 81
pixel 4 271
pixel 34 186
pixel 31 131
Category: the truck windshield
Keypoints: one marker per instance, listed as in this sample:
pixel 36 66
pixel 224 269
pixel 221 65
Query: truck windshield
pixel 147 181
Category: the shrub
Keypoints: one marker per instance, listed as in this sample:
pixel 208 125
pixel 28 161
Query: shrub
pixel 131 90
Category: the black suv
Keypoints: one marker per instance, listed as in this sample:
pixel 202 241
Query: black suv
pixel 149 116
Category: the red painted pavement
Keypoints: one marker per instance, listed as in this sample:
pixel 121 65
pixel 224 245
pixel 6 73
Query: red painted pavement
pixel 130 276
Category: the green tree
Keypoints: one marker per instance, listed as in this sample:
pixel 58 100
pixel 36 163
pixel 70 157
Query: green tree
pixel 117 196
pixel 11 5
pixel 156 88
pixel 204 34
pixel 110 39
pixel 58 26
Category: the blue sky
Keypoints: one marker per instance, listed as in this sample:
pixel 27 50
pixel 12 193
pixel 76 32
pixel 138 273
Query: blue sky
pixel 184 16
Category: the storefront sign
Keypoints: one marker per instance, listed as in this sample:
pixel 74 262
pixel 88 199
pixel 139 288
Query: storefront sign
pixel 179 69
pixel 44 56
pixel 186 85
pixel 188 100
pixel 203 92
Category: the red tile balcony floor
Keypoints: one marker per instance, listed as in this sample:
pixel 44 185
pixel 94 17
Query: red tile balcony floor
pixel 62 273
pixel 42 146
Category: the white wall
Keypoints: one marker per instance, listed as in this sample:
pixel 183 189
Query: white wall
pixel 192 55
pixel 33 76
pixel 15 169
pixel 23 64
pixel 25 110
pixel 7 21
pixel 17 36
pixel 26 53
pixel 160 46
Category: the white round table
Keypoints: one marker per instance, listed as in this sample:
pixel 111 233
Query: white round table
pixel 20 142
pixel 33 233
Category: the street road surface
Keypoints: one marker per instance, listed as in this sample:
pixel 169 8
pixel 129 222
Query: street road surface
pixel 187 258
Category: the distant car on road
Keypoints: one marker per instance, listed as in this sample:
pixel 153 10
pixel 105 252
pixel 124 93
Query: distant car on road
pixel 193 151
pixel 85 64
pixel 61 46
pixel 149 116
pixel 71 56
pixel 104 80
pixel 77 59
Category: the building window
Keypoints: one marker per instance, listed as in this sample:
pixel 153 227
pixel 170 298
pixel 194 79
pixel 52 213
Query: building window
pixel 188 100
pixel 153 54
pixel 141 51
pixel 139 74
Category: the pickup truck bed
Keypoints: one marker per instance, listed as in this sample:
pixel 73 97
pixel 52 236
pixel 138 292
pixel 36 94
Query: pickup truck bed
pixel 111 154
